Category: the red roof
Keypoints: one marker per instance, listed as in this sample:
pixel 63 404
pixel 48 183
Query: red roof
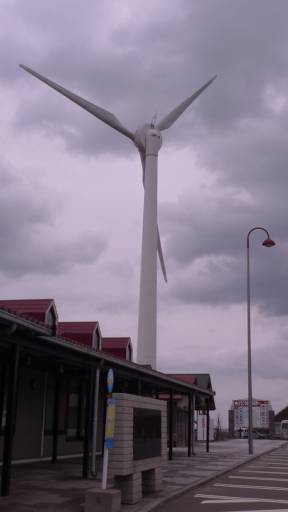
pixel 117 346
pixel 35 309
pixel 188 378
pixel 115 342
pixel 82 332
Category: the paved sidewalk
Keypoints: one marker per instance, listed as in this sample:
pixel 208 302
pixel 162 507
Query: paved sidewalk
pixel 46 487
pixel 183 473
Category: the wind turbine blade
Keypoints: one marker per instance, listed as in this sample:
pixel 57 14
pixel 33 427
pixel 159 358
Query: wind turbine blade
pixel 160 254
pixel 102 114
pixel 159 246
pixel 170 119
pixel 142 156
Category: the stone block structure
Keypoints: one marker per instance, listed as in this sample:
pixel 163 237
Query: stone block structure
pixel 137 473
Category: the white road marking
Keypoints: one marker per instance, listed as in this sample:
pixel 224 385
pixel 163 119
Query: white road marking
pixel 270 465
pixel 276 458
pixel 259 478
pixel 212 498
pixel 244 486
pixel 264 472
pixel 236 500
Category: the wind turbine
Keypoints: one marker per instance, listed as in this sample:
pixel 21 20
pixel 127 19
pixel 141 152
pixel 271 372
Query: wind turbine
pixel 148 141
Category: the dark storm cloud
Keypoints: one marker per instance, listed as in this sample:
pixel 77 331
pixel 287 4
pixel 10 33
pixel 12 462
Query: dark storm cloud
pixel 206 240
pixel 27 233
pixel 238 128
pixel 55 258
pixel 145 68
pixel 272 362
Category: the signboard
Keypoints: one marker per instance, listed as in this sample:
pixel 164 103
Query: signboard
pixel 110 422
pixel 146 433
pixel 110 380
pixel 244 403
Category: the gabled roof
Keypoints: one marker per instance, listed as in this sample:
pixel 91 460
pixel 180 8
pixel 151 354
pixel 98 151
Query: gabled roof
pixel 117 346
pixel 202 380
pixel 76 352
pixel 115 342
pixel 82 332
pixel 34 309
pixel 185 377
pixel 78 327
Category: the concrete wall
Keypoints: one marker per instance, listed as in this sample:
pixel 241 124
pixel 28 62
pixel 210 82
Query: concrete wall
pixel 121 460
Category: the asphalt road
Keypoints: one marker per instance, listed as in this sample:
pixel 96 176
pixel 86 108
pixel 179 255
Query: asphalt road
pixel 259 485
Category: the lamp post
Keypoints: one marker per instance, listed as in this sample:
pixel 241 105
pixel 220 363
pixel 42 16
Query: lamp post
pixel 268 242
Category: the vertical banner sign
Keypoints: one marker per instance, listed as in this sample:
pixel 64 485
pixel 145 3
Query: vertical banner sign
pixel 110 422
pixel 110 381
pixel 109 426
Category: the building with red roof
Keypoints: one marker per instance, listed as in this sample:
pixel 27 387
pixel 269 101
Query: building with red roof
pixel 39 310
pixel 119 347
pixel 50 374
pixel 86 333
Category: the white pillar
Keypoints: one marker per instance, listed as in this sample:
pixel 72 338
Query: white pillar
pixel 147 320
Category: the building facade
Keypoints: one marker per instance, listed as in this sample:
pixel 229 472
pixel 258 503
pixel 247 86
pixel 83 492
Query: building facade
pixel 53 386
pixel 262 416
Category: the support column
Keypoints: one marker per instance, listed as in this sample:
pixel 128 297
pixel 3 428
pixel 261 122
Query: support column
pixel 139 387
pixel 170 455
pixel 193 423
pixel 88 421
pixel 189 424
pixel 207 427
pixel 56 416
pixel 13 373
pixel 95 416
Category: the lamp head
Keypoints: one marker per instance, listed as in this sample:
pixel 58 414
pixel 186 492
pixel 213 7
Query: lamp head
pixel 268 242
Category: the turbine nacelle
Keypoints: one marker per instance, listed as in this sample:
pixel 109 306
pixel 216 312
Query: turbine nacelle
pixel 141 138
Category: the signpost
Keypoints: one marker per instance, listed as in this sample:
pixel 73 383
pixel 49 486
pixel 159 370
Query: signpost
pixel 109 426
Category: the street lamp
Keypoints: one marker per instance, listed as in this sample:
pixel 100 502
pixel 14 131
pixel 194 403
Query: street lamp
pixel 268 242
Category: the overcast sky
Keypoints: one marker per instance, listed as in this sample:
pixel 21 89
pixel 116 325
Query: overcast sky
pixel 71 195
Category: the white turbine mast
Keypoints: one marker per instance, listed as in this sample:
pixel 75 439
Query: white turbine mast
pixel 148 141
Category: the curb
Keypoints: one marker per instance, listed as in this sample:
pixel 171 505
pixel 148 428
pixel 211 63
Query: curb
pixel 203 481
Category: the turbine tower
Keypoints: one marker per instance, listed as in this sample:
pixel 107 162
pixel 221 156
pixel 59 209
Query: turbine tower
pixel 148 141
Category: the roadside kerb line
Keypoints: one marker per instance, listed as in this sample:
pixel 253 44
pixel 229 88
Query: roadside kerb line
pixel 205 480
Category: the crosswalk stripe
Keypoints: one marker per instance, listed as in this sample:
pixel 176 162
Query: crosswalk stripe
pixel 245 486
pixel 272 464
pixel 214 498
pixel 265 510
pixel 259 478
pixel 264 472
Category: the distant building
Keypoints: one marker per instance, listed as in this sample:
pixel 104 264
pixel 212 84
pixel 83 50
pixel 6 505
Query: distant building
pixel 280 416
pixel 262 416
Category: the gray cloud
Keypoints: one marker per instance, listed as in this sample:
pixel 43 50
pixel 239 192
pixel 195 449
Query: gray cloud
pixel 27 233
pixel 206 240
pixel 238 127
pixel 237 131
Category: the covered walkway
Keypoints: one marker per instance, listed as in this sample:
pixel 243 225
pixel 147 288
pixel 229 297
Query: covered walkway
pixel 32 356
pixel 44 487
